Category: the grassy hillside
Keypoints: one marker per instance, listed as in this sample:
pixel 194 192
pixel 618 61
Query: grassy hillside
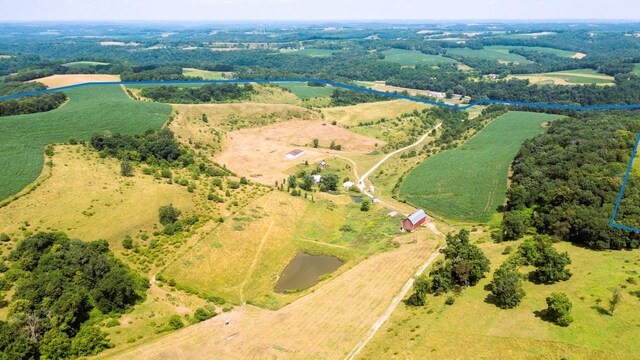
pixel 205 74
pixel 312 52
pixel 413 57
pixel 489 53
pixel 89 110
pixel 474 328
pixel 636 69
pixel 469 183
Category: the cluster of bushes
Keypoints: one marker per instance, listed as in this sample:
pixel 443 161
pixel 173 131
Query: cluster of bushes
pixel 60 285
pixel 202 94
pixel 566 181
pixel 304 181
pixel 464 265
pixel 550 267
pixel 150 147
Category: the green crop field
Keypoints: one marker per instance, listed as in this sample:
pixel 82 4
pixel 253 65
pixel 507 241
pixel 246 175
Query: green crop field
pixel 84 64
pixel 205 74
pixel 312 52
pixel 469 183
pixel 303 91
pixel 547 50
pixel 490 53
pixel 413 57
pixel 636 69
pixel 89 110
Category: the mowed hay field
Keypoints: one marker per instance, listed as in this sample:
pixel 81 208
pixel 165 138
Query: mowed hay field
pixel 474 328
pixel 325 324
pixel 414 57
pixel 89 110
pixel 568 77
pixel 469 183
pixel 55 81
pixel 352 115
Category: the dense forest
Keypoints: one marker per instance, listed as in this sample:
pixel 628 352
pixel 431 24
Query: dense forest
pixel 566 181
pixel 62 287
pixel 30 104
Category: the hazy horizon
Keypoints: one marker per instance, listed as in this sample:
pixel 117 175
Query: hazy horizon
pixel 316 11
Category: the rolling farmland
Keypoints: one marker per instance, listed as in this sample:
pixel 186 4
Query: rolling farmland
pixel 89 110
pixel 414 57
pixel 569 77
pixel 469 183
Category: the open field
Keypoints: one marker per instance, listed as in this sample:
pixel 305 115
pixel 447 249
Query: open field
pixel 568 77
pixel 473 328
pixel 191 129
pixel 303 91
pixel 347 305
pixel 84 64
pixel 207 75
pixel 352 115
pixel 55 81
pixel 414 57
pixel 311 52
pixel 469 183
pixel 89 110
pixel 489 53
pixel 636 69
pixel 259 152
pixel 546 50
pixel 86 197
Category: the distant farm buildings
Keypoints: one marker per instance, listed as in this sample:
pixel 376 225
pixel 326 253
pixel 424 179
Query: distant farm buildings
pixel 294 154
pixel 347 184
pixel 414 220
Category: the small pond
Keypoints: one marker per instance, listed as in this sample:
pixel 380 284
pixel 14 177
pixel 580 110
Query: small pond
pixel 357 199
pixel 304 270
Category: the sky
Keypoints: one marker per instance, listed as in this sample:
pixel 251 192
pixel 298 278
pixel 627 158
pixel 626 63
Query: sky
pixel 314 10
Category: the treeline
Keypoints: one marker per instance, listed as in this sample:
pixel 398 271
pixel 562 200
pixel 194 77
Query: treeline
pixel 153 73
pixel 62 286
pixel 152 147
pixel 566 181
pixel 31 104
pixel 201 94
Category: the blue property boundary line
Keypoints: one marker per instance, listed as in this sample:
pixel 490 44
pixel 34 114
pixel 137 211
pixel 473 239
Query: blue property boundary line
pixel 382 93
pixel 624 184
pixel 335 84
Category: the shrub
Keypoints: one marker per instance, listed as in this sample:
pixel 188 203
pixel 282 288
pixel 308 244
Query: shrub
pixel 559 309
pixel 126 168
pixel 168 214
pixel 506 287
pixel 127 243
pixel 450 300
pixel 4 237
pixel 175 322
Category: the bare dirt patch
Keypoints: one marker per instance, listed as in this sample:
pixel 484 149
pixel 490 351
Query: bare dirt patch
pixel 579 56
pixel 325 324
pixel 260 151
pixel 54 81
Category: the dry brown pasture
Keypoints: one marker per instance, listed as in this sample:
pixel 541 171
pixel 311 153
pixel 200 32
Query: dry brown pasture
pixel 260 152
pixel 325 324
pixel 54 81
pixel 353 114
pixel 191 129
